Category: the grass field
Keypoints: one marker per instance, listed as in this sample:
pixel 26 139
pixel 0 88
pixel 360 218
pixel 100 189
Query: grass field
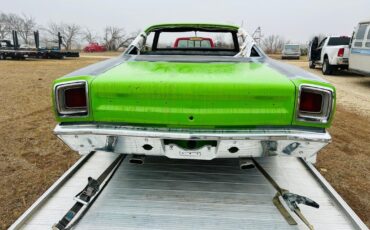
pixel 32 158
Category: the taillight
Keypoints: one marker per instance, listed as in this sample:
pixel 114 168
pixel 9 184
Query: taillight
pixel 71 99
pixel 75 98
pixel 341 52
pixel 314 103
pixel 310 102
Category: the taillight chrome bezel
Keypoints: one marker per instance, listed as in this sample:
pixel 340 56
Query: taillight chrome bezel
pixel 323 116
pixel 62 109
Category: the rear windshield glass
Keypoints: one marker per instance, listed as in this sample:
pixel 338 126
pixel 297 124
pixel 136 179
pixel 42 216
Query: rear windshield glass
pixel 339 41
pixel 196 40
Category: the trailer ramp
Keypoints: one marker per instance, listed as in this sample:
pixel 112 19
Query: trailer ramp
pixel 186 194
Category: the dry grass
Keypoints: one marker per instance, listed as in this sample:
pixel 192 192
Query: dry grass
pixel 278 57
pixel 345 163
pixel 32 158
pixel 101 55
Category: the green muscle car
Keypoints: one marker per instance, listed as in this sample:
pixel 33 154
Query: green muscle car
pixel 228 100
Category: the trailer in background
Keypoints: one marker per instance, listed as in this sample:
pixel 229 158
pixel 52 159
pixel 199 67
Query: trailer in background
pixel 359 57
pixel 9 50
pixel 53 52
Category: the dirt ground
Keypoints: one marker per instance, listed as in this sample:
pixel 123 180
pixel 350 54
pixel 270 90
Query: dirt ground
pixel 100 55
pixel 32 158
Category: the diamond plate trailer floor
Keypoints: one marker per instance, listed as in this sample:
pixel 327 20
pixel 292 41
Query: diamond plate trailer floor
pixel 183 194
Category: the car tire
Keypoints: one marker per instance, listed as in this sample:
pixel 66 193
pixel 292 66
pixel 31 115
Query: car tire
pixel 311 64
pixel 327 69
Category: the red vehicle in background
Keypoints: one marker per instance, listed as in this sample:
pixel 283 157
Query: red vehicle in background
pixel 194 42
pixel 95 47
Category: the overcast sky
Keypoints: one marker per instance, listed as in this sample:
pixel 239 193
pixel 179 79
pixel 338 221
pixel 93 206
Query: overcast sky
pixel 296 20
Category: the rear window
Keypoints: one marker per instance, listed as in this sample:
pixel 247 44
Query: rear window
pixel 339 41
pixel 192 41
pixel 196 39
pixel 361 31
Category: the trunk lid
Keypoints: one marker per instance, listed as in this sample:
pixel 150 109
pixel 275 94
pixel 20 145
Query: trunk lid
pixel 177 94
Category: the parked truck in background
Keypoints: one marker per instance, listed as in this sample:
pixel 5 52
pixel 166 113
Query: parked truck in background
pixel 194 42
pixel 291 51
pixel 331 53
pixel 94 47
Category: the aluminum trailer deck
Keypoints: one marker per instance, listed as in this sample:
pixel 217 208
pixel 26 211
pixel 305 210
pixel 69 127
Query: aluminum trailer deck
pixel 186 194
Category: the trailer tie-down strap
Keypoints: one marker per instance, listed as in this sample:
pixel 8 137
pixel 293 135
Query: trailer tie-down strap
pixel 291 199
pixel 87 196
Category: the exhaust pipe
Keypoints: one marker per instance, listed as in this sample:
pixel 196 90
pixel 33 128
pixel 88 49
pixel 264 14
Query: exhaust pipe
pixel 246 163
pixel 137 159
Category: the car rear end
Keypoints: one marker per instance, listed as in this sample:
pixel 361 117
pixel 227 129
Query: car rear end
pixel 194 111
pixel 340 50
pixel 291 51
pixel 194 102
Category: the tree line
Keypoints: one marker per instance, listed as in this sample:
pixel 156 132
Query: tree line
pixel 113 38
pixel 274 44
pixel 72 34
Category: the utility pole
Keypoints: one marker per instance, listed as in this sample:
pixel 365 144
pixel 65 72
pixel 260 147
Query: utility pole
pixel 257 35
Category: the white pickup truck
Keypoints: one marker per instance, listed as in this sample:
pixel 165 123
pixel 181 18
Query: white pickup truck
pixel 331 53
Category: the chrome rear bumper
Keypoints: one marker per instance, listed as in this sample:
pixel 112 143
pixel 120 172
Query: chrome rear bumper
pixel 163 141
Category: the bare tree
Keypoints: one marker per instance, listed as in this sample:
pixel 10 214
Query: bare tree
pixel 112 35
pixel 273 44
pixel 14 22
pixel 89 36
pixel 69 33
pixel 24 25
pixel 28 26
pixel 127 39
pixel 4 26
pixel 52 29
pixel 115 38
